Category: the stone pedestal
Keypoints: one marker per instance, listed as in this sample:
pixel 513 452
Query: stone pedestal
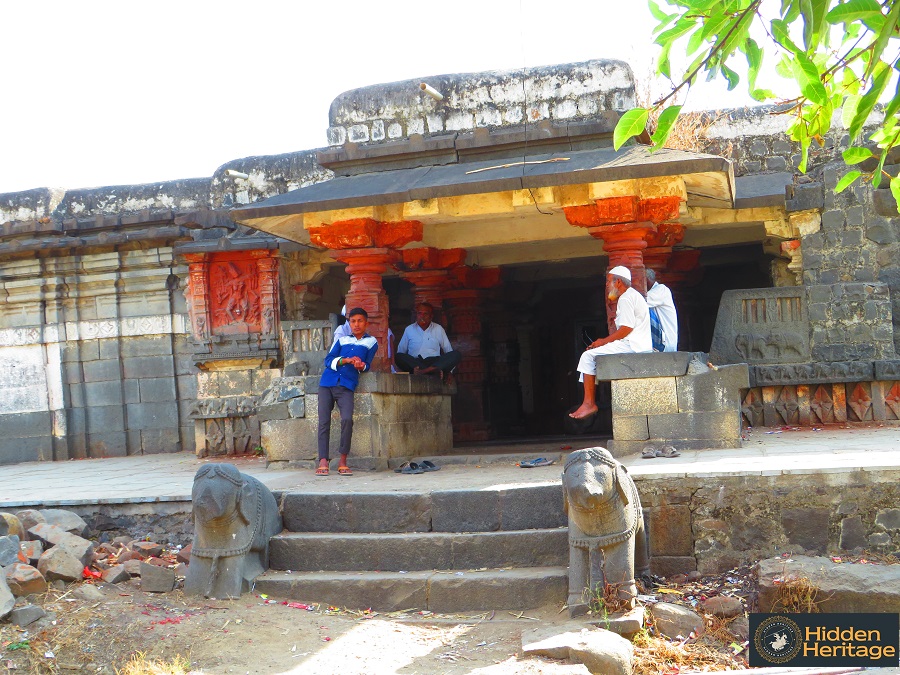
pixel 396 415
pixel 673 398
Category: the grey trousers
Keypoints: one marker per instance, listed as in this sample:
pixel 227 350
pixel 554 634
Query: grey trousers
pixel 343 397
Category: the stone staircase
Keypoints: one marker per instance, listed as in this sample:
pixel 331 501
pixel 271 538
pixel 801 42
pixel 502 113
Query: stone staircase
pixel 443 551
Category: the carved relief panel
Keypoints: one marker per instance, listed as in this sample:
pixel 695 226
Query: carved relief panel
pixel 234 296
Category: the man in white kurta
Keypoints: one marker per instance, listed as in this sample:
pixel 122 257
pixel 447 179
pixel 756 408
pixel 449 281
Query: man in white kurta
pixel 632 335
pixel 424 348
pixel 659 297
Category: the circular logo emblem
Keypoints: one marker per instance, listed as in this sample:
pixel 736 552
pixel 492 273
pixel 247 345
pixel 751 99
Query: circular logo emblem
pixel 777 639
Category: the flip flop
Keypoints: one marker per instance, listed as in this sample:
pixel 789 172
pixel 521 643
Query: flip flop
pixel 531 463
pixel 345 471
pixel 428 465
pixel 409 468
pixel 668 451
pixel 322 471
pixel 650 452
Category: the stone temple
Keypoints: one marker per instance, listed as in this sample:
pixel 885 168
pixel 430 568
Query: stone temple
pixel 193 315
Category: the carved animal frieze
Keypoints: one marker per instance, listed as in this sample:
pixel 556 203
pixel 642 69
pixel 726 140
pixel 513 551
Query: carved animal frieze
pixel 607 543
pixel 231 406
pixel 811 373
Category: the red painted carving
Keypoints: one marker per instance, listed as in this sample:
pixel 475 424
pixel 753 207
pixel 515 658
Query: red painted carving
pixel 197 295
pixel 822 405
pixel 267 270
pixel 860 402
pixel 234 300
pixel 365 267
pixel 366 232
pixel 892 400
pixel 617 210
pixel 428 258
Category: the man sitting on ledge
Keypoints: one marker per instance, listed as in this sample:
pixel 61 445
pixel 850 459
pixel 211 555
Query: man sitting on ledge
pixel 632 335
pixel 420 349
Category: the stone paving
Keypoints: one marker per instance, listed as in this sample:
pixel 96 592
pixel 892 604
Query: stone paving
pixel 169 477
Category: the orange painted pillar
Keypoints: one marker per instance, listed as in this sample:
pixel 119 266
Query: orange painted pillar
pixel 368 247
pixel 428 270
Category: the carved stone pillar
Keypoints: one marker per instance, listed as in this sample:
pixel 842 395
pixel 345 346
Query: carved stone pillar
pixel 428 270
pixel 197 296
pixel 269 302
pixel 465 310
pixel 368 247
pixel 623 225
pixel 659 246
pixel 306 300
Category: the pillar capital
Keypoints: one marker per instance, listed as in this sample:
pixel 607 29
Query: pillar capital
pixel 366 233
pixel 428 258
pixel 660 243
pixel 618 210
pixel 475 278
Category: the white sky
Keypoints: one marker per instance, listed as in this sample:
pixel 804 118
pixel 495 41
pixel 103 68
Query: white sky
pixel 110 93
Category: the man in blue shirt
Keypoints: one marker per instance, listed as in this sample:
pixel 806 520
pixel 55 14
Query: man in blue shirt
pixel 349 356
pixel 424 348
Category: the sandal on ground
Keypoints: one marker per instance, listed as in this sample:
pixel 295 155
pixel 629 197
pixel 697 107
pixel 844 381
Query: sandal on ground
pixel 409 468
pixel 345 471
pixel 428 465
pixel 668 451
pixel 650 452
pixel 531 463
pixel 322 471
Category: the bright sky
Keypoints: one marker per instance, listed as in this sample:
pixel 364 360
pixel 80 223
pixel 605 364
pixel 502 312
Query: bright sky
pixel 111 93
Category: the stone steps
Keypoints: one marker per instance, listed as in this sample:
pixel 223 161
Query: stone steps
pixel 436 591
pixel 308 552
pixel 442 550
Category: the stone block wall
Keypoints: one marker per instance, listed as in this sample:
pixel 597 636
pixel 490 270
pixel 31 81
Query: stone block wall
pixel 713 523
pixel 95 357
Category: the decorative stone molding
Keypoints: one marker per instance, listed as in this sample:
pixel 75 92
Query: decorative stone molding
pixel 160 324
pixel 231 406
pixel 366 233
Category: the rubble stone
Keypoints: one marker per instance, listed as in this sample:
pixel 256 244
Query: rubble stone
pixel 27 615
pixel 147 548
pixel 133 567
pixel 57 563
pixel 66 520
pixel 80 548
pixel 49 534
pixel 11 525
pixel 156 579
pixel 9 550
pixel 625 624
pixel 30 517
pixel 7 599
pixel 601 651
pixel 184 555
pixel 116 574
pixel 24 580
pixel 89 592
pixel 740 627
pixel 674 620
pixel 724 606
pixel 32 550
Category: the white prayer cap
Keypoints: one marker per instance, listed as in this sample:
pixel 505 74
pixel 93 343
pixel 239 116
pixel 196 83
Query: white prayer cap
pixel 621 271
pixel 344 310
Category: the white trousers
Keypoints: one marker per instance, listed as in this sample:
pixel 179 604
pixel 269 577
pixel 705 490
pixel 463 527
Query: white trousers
pixel 587 364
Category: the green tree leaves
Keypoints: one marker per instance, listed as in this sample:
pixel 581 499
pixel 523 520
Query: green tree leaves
pixel 801 34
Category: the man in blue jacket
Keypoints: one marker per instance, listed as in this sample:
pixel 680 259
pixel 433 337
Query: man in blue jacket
pixel 349 356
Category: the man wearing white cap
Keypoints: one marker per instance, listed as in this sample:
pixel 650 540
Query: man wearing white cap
pixel 632 335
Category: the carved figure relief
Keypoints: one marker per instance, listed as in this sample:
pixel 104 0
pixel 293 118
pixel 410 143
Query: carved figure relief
pixel 235 300
pixel 223 407
pixel 235 515
pixel 755 346
pixel 607 542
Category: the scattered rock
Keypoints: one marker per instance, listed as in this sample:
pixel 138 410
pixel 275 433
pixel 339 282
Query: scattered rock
pixel 625 624
pixel 694 576
pixel 7 599
pixel 24 580
pixel 32 550
pixel 127 555
pixel 601 651
pixel 58 584
pixel 677 579
pixel 27 615
pixel 724 606
pixel 184 555
pixel 740 627
pixel 89 592
pixel 159 562
pixel 9 550
pixel 147 548
pixel 156 579
pixel 65 520
pixel 29 518
pixel 133 567
pixel 674 620
pixel 48 534
pixel 79 548
pixel 116 574
pixel 11 525
pixel 181 570
pixel 105 549
pixel 59 564
pixel 122 540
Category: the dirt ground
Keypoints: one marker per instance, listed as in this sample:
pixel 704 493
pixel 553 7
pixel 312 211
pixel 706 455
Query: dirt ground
pixel 262 635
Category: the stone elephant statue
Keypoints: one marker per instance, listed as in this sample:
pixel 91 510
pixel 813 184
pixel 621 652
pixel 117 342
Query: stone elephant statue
pixel 607 542
pixel 234 515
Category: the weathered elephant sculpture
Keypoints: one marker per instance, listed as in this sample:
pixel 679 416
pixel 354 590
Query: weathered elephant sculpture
pixel 234 517
pixel 607 543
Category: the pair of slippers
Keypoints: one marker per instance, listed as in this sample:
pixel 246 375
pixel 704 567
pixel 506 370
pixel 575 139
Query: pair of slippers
pixel 414 467
pixel 342 470
pixel 531 463
pixel 665 451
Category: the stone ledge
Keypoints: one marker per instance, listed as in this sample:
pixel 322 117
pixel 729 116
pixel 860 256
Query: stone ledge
pixel 655 364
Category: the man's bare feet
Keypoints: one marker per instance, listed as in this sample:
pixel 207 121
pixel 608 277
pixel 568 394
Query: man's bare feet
pixel 583 411
pixel 417 371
